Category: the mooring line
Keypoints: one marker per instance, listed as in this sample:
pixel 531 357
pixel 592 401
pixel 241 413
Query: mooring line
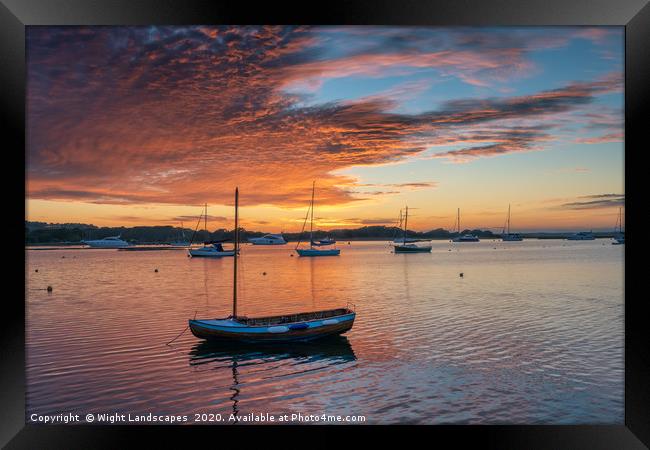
pixel 182 332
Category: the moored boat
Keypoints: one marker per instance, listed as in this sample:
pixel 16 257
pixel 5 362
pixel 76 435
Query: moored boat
pixel 507 236
pixel 212 249
pixel 304 326
pixel 582 236
pixel 268 239
pixel 412 248
pixel 464 237
pixel 291 327
pixel 318 252
pixel 182 242
pixel 311 251
pixel 406 247
pixel 619 237
pixel 107 242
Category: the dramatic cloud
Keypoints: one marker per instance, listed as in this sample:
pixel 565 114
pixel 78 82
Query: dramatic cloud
pixel 181 115
pixel 596 202
pixel 611 137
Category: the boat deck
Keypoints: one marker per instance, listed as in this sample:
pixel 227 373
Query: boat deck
pixel 292 318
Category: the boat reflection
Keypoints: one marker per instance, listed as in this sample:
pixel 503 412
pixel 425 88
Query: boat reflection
pixel 330 349
pixel 237 355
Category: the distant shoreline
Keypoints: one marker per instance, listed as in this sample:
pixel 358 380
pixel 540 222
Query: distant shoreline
pixel 47 234
pixel 30 246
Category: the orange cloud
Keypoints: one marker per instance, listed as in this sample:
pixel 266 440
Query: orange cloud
pixel 181 115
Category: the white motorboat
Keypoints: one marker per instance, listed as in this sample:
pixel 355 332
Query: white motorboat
pixel 326 241
pixel 268 239
pixel 107 242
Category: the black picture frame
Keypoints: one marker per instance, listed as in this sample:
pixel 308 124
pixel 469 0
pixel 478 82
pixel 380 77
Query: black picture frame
pixel 633 14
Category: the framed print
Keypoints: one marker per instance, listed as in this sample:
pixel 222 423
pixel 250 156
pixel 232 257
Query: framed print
pixel 376 217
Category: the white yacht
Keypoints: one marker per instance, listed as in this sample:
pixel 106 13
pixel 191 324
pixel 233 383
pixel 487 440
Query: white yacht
pixel 582 236
pixel 107 242
pixel 268 239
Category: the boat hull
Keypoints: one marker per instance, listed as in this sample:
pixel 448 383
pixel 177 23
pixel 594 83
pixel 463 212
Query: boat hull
pixel 404 249
pixel 219 330
pixel 511 238
pixel 404 241
pixel 466 240
pixel 100 244
pixel 315 252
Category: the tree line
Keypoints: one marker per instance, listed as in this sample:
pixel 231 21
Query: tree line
pixel 40 233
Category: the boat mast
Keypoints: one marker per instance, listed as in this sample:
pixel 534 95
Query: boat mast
pixel 406 221
pixel 234 283
pixel 311 226
pixel 205 221
pixel 508 218
pixel 458 221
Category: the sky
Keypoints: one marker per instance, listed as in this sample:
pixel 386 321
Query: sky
pixel 135 126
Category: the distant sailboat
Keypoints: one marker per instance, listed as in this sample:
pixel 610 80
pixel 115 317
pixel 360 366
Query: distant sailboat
pixel 406 247
pixel 272 329
pixel 619 238
pixel 183 242
pixel 403 239
pixel 210 249
pixel 507 236
pixel 465 237
pixel 311 251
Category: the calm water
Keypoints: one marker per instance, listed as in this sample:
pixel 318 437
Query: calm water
pixel 533 333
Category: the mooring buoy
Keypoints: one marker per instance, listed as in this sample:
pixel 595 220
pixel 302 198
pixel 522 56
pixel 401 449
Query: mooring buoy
pixel 36 270
pixel 461 275
pixel 49 289
pixel 263 273
pixel 156 270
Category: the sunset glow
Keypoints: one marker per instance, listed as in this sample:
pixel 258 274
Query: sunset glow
pixel 143 125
